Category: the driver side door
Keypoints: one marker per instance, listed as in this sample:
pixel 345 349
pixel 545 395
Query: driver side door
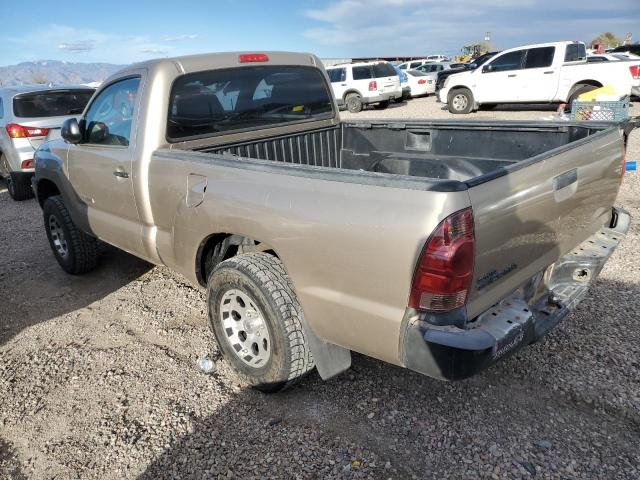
pixel 100 167
pixel 501 79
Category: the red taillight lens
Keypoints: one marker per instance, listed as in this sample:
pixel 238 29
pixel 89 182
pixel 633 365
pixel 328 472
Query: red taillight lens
pixel 373 85
pixel 635 71
pixel 18 131
pixel 421 82
pixel 27 164
pixel 443 276
pixel 253 57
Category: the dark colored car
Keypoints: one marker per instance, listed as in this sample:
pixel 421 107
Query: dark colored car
pixel 461 67
pixel 635 49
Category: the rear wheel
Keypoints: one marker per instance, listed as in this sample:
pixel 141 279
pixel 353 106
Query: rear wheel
pixel 75 251
pixel 256 319
pixel 19 186
pixel 353 102
pixel 382 105
pixel 577 92
pixel 460 101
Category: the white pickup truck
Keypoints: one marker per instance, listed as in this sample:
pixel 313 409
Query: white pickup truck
pixel 543 73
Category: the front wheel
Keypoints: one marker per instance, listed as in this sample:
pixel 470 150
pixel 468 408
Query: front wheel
pixel 257 321
pixel 460 101
pixel 75 251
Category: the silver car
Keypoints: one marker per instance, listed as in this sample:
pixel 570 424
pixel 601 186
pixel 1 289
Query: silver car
pixel 29 116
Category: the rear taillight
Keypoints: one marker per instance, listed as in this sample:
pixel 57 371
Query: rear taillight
pixel 635 71
pixel 27 164
pixel 373 85
pixel 253 57
pixel 19 131
pixel 445 269
pixel 422 82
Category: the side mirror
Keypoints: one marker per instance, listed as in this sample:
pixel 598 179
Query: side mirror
pixel 71 132
pixel 487 68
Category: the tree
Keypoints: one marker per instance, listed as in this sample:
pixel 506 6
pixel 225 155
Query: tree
pixel 38 77
pixel 608 39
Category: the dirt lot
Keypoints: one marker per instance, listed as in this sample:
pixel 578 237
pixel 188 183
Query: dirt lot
pixel 98 379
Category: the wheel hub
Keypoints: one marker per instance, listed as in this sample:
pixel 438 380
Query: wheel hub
pixel 57 237
pixel 245 328
pixel 460 102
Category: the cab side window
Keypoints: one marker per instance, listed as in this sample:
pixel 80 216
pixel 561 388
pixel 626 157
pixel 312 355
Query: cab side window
pixel 508 61
pixel 539 57
pixel 337 75
pixel 109 118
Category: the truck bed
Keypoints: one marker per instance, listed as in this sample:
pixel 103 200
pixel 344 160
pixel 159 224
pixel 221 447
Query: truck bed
pixel 461 151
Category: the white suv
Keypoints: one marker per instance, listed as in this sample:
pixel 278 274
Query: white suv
pixel 358 84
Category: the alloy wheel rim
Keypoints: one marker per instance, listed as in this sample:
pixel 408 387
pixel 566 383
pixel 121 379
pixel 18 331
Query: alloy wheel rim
pixel 245 328
pixel 57 237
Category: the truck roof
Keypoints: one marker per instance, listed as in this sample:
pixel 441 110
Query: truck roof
pixel 207 61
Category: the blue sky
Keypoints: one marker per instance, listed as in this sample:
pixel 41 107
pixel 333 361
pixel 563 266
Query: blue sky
pixel 117 31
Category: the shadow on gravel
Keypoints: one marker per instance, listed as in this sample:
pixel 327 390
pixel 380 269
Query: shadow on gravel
pixel 9 463
pixel 33 287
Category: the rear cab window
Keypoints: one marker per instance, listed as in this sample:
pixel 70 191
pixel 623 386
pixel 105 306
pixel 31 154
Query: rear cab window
pixel 51 103
pixel 220 101
pixel 575 52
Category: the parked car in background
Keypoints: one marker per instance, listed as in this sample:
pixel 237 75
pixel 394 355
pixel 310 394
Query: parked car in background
pixel 404 83
pixel 634 49
pixel 360 84
pixel 460 67
pixel 542 73
pixel 421 83
pixel 438 58
pixel 413 64
pixel 439 246
pixel 30 115
pixel 434 67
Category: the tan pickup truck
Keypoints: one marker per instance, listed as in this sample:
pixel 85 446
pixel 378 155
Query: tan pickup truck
pixel 441 246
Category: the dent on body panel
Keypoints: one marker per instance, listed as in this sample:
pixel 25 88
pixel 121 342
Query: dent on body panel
pixel 349 249
pixel 543 211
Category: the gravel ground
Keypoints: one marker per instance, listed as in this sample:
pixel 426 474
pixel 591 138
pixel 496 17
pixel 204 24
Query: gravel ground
pixel 98 379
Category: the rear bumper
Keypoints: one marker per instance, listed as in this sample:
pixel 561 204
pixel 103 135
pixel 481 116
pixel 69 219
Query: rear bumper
pixel 454 353
pixel 382 97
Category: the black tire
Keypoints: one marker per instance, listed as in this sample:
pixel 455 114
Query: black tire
pixel 353 101
pixel 76 252
pixel 460 101
pixel 382 105
pixel 19 186
pixel 261 277
pixel 576 93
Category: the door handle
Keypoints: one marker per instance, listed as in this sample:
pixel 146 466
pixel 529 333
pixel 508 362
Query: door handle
pixel 120 174
pixel 512 75
pixel 343 84
pixel 548 72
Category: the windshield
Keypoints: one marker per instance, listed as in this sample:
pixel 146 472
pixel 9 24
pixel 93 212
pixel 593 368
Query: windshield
pixel 205 103
pixel 49 103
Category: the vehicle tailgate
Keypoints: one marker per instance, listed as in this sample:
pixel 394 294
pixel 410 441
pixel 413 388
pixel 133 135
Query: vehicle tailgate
pixel 540 210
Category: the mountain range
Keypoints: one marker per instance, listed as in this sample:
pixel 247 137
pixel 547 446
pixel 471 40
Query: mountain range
pixel 55 71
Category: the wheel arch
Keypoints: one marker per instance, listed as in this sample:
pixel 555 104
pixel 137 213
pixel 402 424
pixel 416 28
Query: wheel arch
pixel 583 83
pixel 330 359
pixel 46 188
pixel 351 90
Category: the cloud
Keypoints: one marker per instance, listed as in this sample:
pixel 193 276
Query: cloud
pixel 414 27
pixel 155 51
pixel 177 38
pixel 77 47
